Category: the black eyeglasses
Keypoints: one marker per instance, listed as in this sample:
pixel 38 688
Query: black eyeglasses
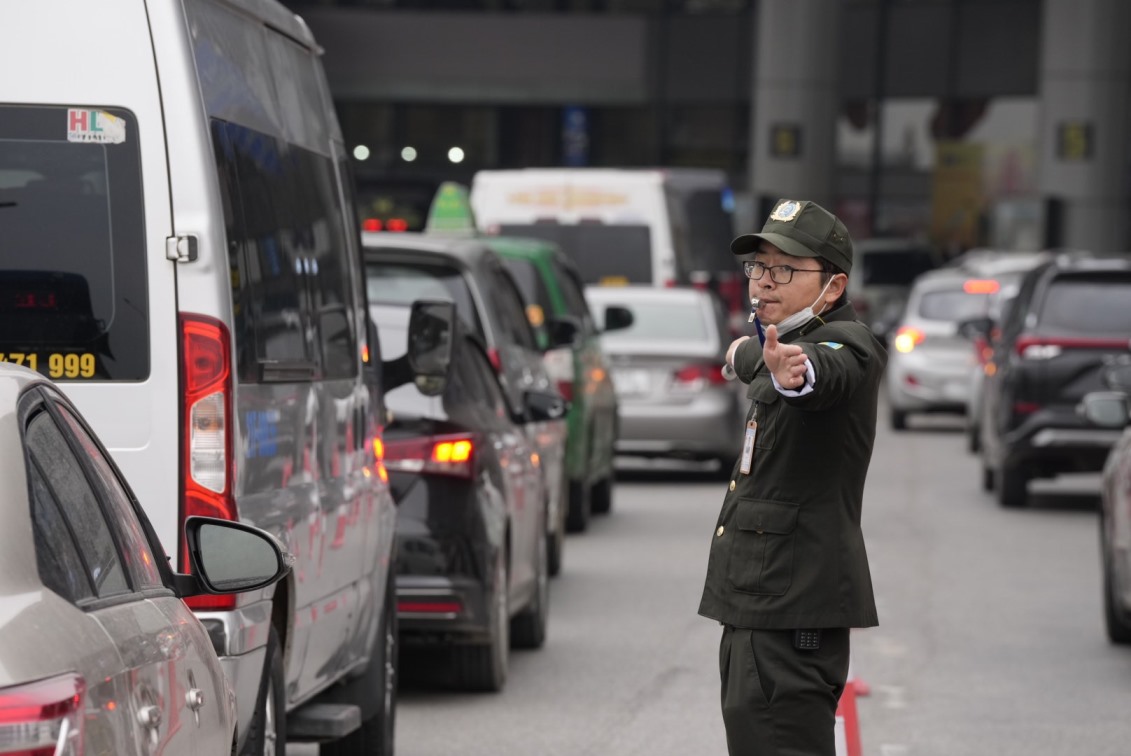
pixel 782 274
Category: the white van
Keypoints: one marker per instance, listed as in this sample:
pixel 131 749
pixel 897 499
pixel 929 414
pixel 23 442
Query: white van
pixel 179 250
pixel 651 226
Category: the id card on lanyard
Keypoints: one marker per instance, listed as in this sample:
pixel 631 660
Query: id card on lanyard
pixel 747 462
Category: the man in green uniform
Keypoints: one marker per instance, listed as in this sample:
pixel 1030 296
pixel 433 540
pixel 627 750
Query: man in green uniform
pixel 787 574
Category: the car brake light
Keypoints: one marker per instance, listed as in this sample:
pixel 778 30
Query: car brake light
pixel 1038 348
pixel 429 607
pixel 559 369
pixel 437 455
pixel 907 338
pixel 1025 408
pixel 206 454
pixel 495 360
pixel 981 286
pixel 982 350
pixel 397 224
pixel 371 224
pixel 697 375
pixel 43 718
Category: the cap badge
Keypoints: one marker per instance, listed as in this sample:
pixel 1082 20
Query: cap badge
pixel 786 211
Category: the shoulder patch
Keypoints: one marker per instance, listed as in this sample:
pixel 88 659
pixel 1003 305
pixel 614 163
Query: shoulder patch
pixel 831 344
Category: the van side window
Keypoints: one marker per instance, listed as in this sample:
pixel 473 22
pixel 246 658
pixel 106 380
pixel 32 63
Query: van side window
pixel 289 258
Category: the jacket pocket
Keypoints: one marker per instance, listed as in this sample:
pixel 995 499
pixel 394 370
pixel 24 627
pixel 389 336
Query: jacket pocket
pixel 761 552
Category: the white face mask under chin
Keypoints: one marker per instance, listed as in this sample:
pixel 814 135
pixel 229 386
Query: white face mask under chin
pixel 801 317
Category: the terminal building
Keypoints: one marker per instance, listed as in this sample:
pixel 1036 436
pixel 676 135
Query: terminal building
pixel 966 122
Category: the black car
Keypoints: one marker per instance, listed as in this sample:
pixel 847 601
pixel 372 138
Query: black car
pixel 1070 318
pixel 472 569
pixel 401 267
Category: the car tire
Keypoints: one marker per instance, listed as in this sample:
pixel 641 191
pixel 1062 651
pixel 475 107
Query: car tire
pixel 528 628
pixel 483 667
pixel 267 734
pixel 1118 624
pixel 1011 485
pixel 580 507
pixel 898 420
pixel 376 691
pixel 555 539
pixel 601 496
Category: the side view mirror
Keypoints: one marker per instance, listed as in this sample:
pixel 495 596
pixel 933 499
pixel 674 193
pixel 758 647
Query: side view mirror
pixel 976 327
pixel 230 557
pixel 617 318
pixel 430 330
pixel 1107 409
pixel 545 405
pixel 564 330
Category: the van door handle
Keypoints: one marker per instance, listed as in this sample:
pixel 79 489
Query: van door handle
pixel 149 717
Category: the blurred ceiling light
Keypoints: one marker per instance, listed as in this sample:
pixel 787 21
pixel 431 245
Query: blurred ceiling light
pixel 455 154
pixel 361 152
pixel 408 154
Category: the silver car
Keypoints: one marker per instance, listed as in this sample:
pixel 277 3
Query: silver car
pixel 98 653
pixel 931 359
pixel 665 367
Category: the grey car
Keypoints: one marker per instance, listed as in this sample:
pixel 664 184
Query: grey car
pixel 674 401
pixel 98 652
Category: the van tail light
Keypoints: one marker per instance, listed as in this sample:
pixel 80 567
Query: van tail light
pixel 559 369
pixel 433 455
pixel 1037 348
pixel 698 375
pixel 206 433
pixel 907 338
pixel 43 718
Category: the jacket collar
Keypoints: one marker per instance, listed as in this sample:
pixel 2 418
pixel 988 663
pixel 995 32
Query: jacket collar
pixel 842 313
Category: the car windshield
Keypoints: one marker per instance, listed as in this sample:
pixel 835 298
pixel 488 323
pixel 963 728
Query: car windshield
pixel 404 283
pixel 600 252
pixel 1088 305
pixel 953 305
pixel 664 321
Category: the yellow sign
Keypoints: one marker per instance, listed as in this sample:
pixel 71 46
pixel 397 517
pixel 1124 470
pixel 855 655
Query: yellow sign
pixel 957 197
pixel 568 198
pixel 1074 140
pixel 59 365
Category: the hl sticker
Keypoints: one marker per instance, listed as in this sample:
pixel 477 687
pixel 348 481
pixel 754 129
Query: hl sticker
pixel 95 126
pixel 831 344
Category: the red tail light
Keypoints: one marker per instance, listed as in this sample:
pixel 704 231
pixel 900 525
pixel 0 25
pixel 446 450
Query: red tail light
pixel 982 350
pixel 429 607
pixel 1025 408
pixel 206 441
pixel 397 224
pixel 907 338
pixel 436 455
pixel 372 224
pixel 495 359
pixel 559 368
pixel 43 718
pixel 698 375
pixel 1037 348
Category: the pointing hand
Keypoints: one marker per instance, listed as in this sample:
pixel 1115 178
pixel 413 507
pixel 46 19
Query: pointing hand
pixel 787 362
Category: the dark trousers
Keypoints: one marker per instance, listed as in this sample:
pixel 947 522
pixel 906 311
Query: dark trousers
pixel 778 701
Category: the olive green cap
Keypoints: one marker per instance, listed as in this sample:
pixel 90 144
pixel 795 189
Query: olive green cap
pixel 802 229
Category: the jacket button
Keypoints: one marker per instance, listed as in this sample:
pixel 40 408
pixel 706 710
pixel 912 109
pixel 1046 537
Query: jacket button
pixel 720 530
pixel 732 485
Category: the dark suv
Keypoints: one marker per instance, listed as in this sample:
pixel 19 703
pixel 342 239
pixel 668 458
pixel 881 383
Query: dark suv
pixel 1070 318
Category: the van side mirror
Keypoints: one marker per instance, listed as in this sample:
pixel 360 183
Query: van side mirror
pixel 545 405
pixel 1107 409
pixel 230 557
pixel 617 318
pixel 564 330
pixel 430 328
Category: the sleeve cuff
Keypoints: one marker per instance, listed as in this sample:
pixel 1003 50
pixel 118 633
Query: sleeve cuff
pixel 807 387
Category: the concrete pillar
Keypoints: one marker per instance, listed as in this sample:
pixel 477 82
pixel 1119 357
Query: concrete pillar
pixel 1084 87
pixel 795 102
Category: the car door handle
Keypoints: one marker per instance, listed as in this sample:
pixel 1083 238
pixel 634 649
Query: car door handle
pixel 195 699
pixel 149 717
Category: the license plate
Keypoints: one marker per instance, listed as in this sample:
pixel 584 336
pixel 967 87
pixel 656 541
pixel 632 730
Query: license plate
pixel 632 382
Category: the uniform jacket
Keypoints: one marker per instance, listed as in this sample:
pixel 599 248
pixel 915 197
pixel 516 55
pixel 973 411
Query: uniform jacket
pixel 787 551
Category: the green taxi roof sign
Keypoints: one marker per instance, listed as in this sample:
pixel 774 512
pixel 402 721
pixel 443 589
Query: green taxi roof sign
pixel 450 213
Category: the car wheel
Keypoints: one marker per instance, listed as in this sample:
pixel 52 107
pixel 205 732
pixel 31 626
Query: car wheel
pixel 483 667
pixel 555 540
pixel 376 692
pixel 528 628
pixel 898 420
pixel 1117 623
pixel 267 735
pixel 1011 485
pixel 601 496
pixel 577 520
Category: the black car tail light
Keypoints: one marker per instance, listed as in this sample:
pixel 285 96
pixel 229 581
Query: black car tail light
pixel 437 455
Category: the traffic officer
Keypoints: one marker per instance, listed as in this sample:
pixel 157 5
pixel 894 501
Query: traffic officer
pixel 787 574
